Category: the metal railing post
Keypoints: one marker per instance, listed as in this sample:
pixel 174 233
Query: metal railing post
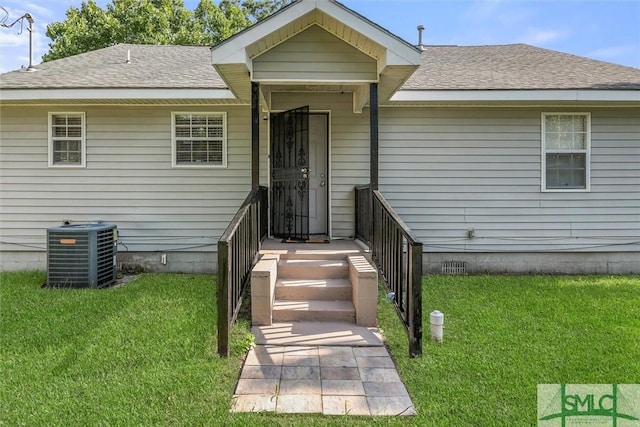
pixel 402 275
pixel 415 302
pixel 238 251
pixel 223 299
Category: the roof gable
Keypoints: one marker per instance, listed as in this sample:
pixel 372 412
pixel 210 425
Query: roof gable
pixel 314 54
pixel 330 15
pixel 395 58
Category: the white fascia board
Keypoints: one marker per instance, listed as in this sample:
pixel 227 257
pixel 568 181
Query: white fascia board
pixel 236 54
pixel 392 59
pixel 233 50
pixel 404 53
pixel 159 94
pixel 516 95
pixel 319 82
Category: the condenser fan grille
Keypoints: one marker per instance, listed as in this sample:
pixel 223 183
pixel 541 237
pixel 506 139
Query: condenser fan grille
pixel 81 255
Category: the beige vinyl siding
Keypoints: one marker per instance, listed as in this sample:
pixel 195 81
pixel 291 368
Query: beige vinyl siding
pixel 128 180
pixel 443 169
pixel 349 150
pixel 314 55
pixel 446 170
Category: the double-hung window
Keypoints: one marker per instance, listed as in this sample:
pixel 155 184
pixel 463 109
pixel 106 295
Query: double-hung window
pixel 67 143
pixel 199 139
pixel 566 144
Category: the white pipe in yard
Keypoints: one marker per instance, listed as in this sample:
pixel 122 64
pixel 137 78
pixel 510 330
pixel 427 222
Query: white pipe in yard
pixel 437 324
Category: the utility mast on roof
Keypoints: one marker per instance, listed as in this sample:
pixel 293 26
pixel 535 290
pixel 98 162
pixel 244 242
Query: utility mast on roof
pixel 30 20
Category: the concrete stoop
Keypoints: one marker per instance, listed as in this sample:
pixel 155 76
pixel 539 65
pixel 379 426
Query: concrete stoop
pixel 318 348
pixel 313 290
pixel 313 286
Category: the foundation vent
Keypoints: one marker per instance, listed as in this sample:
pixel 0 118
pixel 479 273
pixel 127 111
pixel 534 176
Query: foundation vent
pixel 454 267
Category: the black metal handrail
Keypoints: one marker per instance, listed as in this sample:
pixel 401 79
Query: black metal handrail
pixel 398 255
pixel 238 250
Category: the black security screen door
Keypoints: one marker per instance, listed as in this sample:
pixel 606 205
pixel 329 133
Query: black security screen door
pixel 290 174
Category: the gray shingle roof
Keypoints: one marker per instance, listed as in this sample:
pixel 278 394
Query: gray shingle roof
pixel 506 67
pixel 517 66
pixel 151 66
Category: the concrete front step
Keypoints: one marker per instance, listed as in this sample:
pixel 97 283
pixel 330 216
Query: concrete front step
pixel 318 333
pixel 310 255
pixel 313 289
pixel 315 310
pixel 313 269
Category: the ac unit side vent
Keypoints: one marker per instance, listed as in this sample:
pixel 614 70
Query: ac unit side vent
pixel 454 267
pixel 81 255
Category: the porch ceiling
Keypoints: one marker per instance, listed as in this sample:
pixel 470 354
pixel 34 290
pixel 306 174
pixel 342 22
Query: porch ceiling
pixel 396 59
pixel 360 92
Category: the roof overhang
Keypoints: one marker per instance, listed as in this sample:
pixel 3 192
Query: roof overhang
pixel 515 96
pixel 396 59
pixel 143 95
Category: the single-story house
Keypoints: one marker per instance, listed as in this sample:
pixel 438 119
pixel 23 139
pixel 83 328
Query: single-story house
pixel 506 158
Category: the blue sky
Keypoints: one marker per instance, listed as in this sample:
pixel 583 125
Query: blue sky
pixel 607 30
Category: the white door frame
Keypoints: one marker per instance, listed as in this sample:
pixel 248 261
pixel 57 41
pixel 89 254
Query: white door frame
pixel 329 180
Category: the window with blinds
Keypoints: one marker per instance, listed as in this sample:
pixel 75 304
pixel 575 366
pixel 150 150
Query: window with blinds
pixel 566 140
pixel 67 141
pixel 199 139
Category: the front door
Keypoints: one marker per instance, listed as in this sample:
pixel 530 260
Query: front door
pixel 290 174
pixel 299 174
pixel 318 174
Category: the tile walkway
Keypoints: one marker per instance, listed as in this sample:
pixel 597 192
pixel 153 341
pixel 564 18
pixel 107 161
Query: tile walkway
pixel 332 380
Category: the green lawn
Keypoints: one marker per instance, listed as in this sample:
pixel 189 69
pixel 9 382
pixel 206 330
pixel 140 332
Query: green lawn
pixel 144 353
pixel 504 335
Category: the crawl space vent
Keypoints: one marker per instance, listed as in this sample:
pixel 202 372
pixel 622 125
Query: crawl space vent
pixel 454 267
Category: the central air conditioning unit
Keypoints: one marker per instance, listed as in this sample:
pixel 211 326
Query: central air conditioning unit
pixel 81 255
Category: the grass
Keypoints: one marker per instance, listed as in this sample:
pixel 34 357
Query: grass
pixel 141 354
pixel 144 353
pixel 504 335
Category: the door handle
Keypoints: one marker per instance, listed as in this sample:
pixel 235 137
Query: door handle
pixel 322 184
pixel 305 172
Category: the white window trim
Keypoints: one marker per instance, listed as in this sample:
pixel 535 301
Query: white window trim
pixel 83 141
pixel 174 160
pixel 543 162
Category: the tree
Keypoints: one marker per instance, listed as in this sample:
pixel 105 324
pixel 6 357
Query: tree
pixel 95 25
pixel 220 22
pixel 259 10
pixel 91 27
pixel 153 22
